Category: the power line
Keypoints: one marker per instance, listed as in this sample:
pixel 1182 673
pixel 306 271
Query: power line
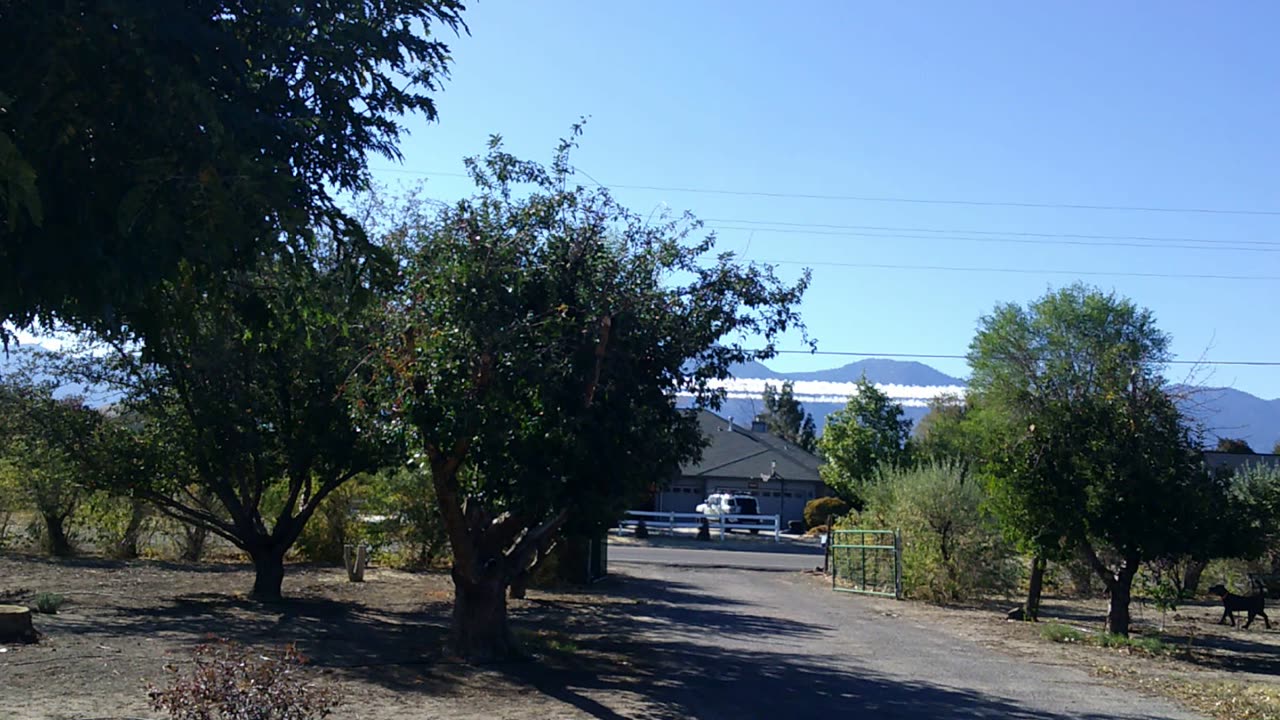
pixel 1022 271
pixel 1008 240
pixel 1012 233
pixel 890 199
pixel 943 356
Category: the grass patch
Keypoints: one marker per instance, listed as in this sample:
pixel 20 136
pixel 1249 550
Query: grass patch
pixel 48 603
pixel 1057 632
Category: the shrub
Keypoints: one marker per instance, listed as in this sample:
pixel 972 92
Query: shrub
pixel 48 603
pixel 951 549
pixel 818 510
pixel 405 499
pixel 119 526
pixel 230 682
pixel 334 525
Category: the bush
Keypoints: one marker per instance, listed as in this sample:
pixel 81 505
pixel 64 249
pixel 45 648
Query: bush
pixel 48 603
pixel 818 510
pixel 951 549
pixel 119 526
pixel 405 500
pixel 334 524
pixel 230 682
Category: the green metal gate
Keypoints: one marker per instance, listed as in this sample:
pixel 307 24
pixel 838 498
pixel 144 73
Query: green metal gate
pixel 866 561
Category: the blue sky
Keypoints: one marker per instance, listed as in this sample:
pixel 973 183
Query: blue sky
pixel 1169 105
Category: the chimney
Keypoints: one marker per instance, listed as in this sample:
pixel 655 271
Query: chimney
pixel 759 425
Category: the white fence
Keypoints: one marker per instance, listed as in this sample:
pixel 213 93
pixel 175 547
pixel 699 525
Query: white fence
pixel 672 521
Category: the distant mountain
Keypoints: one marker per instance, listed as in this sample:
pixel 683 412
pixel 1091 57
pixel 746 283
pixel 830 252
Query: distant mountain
pixel 1223 412
pixel 1231 413
pixel 881 371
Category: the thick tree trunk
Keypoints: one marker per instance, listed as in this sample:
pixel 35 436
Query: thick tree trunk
pixel 1031 611
pixel 1118 609
pixel 1191 575
pixel 480 632
pixel 268 568
pixel 57 542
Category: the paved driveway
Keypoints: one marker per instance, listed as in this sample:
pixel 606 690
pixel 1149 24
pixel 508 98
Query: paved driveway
pixel 753 644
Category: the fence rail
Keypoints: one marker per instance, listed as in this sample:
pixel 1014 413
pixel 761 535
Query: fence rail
pixel 868 562
pixel 672 521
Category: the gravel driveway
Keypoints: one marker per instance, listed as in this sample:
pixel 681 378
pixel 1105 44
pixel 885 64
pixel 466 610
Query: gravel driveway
pixel 752 644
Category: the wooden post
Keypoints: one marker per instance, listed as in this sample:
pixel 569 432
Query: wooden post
pixel 355 558
pixel 15 624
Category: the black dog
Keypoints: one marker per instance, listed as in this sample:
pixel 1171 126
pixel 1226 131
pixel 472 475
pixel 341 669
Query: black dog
pixel 1233 604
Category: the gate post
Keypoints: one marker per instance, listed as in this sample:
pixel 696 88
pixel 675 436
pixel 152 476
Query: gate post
pixel 897 564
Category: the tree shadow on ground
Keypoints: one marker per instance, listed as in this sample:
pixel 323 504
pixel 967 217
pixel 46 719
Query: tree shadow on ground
pixel 689 679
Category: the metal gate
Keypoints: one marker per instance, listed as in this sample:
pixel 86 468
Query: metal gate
pixel 866 561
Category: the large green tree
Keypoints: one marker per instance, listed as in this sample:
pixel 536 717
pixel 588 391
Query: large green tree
pixel 241 419
pixel 142 139
pixel 946 434
pixel 868 433
pixel 1086 451
pixel 537 354
pixel 785 417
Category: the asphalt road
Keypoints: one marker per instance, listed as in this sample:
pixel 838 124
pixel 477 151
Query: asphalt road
pixel 752 644
pixel 787 560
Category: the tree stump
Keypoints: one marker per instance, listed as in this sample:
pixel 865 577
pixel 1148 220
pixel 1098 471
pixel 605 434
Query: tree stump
pixel 15 624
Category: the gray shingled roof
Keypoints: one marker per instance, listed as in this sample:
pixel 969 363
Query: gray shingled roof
pixel 735 451
pixel 1234 461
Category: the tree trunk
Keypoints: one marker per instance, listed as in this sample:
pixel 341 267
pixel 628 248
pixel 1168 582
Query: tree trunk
pixel 268 568
pixel 194 539
pixel 1191 575
pixel 1031 611
pixel 480 632
pixel 128 549
pixel 1118 611
pixel 57 542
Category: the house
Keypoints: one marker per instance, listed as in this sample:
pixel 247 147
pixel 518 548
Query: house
pixel 1231 462
pixel 780 475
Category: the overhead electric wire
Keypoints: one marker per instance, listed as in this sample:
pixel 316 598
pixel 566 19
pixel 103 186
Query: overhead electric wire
pixel 1008 240
pixel 944 356
pixel 890 199
pixel 1021 271
pixel 1012 233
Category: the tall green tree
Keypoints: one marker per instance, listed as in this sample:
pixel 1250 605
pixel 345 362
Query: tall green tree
pixel 241 419
pixel 946 434
pixel 1079 416
pixel 141 140
pixel 48 479
pixel 536 356
pixel 786 418
pixel 870 432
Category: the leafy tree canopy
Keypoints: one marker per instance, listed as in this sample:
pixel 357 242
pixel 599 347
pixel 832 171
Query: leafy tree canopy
pixel 786 418
pixel 1235 446
pixel 140 140
pixel 1078 416
pixel 868 433
pixel 543 337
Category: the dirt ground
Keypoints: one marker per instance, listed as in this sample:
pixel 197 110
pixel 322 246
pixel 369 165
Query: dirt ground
pixel 380 641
